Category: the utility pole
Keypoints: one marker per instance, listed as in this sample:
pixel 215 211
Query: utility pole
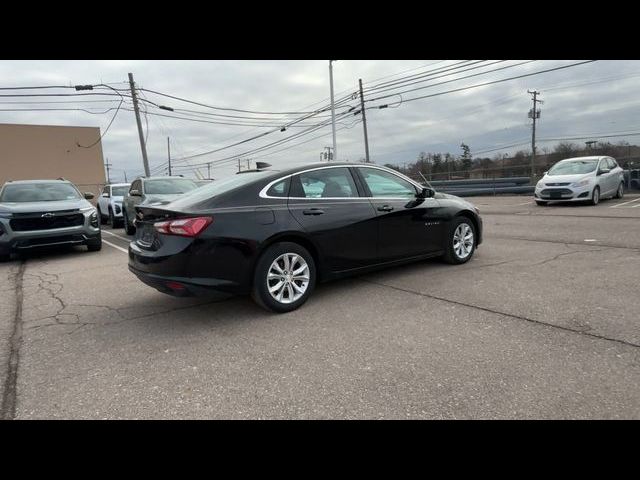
pixel 364 122
pixel 248 164
pixel 169 155
pixel 239 166
pixel 333 112
pixel 134 97
pixel 125 177
pixel 534 114
pixel 108 173
pixel 209 170
pixel 327 155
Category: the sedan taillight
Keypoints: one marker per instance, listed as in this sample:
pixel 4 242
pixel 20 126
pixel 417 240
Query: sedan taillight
pixel 184 227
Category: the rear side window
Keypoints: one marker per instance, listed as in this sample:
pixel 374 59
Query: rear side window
pixel 280 189
pixel 325 183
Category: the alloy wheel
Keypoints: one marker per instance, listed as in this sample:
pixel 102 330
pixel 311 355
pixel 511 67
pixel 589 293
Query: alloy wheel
pixel 288 278
pixel 463 241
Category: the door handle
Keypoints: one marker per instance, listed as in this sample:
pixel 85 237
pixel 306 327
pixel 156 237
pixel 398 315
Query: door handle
pixel 385 208
pixel 313 211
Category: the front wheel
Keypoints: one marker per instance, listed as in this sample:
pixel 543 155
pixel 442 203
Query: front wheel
pixel 102 220
pixel 461 241
pixel 4 258
pixel 284 278
pixel 595 197
pixel 541 203
pixel 128 228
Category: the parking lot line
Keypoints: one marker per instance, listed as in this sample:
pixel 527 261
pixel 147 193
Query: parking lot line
pixel 115 246
pixel 625 203
pixel 116 235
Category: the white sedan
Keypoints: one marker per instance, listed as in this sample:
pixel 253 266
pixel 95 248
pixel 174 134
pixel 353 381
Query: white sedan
pixel 581 179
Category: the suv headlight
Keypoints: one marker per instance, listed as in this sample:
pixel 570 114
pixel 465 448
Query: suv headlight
pixel 582 183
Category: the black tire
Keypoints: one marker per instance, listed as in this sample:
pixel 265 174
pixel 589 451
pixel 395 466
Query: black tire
pixel 128 228
pixel 112 219
pixel 260 291
pixel 450 255
pixel 620 192
pixel 95 246
pixel 5 257
pixel 595 196
pixel 542 203
pixel 101 217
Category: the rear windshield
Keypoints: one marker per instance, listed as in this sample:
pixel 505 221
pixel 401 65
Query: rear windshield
pixel 169 186
pixel 39 192
pixel 573 167
pixel 216 188
pixel 119 191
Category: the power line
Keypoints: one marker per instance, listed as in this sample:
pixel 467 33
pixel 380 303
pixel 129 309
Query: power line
pixel 483 84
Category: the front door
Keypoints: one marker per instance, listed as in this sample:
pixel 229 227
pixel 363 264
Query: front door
pixel 407 226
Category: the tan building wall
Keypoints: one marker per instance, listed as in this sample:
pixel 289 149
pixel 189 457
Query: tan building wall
pixel 29 152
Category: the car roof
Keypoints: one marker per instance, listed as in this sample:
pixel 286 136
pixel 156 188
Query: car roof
pixel 56 180
pixel 594 157
pixel 118 185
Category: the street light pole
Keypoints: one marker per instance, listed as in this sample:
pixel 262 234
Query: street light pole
pixel 333 112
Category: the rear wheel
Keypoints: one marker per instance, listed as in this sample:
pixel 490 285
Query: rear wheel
pixel 542 203
pixel 4 258
pixel 101 217
pixel 620 192
pixel 284 278
pixel 461 241
pixel 595 197
pixel 128 228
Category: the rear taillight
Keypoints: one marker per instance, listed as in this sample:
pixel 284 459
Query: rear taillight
pixel 184 227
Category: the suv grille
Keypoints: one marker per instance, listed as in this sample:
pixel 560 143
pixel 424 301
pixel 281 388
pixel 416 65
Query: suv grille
pixel 35 221
pixel 557 184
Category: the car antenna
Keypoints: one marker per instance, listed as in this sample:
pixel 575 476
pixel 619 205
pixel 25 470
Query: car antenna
pixel 426 181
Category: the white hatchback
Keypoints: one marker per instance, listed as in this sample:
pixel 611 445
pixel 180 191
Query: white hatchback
pixel 581 179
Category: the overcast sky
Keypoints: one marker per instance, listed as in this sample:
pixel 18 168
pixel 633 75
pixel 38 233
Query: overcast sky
pixel 596 98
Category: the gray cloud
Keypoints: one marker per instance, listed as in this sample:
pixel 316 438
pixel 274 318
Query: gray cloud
pixel 484 118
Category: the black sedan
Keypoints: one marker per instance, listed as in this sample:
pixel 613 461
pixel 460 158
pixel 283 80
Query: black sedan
pixel 274 234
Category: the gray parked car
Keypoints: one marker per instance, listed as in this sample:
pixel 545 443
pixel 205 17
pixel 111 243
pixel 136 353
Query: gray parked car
pixel 581 179
pixel 38 213
pixel 149 191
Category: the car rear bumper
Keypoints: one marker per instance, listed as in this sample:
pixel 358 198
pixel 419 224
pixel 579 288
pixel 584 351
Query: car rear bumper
pixel 174 274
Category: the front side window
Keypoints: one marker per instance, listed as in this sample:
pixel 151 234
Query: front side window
pixel 324 183
pixel 385 184
pixel 135 186
pixel 39 192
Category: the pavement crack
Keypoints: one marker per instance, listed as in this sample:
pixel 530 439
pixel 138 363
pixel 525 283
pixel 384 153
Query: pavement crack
pixel 9 396
pixel 582 331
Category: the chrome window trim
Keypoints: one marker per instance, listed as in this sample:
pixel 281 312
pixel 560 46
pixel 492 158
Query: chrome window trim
pixel 263 192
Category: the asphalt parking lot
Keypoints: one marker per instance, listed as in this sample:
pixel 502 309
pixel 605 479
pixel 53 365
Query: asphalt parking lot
pixel 543 322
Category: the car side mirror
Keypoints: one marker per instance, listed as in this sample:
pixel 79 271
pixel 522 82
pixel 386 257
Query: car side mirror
pixel 88 195
pixel 603 171
pixel 544 173
pixel 425 193
pixel 134 193
pixel 105 195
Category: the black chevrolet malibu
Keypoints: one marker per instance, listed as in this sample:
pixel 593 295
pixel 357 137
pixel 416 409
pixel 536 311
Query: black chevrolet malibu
pixel 274 234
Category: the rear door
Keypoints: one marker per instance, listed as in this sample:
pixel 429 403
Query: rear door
pixel 326 202
pixel 407 226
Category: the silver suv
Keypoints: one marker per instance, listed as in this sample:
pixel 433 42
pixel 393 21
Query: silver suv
pixel 38 213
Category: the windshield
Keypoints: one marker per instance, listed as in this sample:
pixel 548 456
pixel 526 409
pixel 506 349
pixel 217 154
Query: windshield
pixel 169 186
pixel 39 192
pixel 216 188
pixel 573 167
pixel 119 191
